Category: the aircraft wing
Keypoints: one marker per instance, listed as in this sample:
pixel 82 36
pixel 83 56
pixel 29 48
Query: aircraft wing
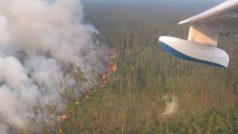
pixel 221 19
pixel 204 32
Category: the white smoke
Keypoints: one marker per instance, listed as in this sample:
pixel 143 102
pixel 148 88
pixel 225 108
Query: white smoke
pixel 40 40
pixel 171 105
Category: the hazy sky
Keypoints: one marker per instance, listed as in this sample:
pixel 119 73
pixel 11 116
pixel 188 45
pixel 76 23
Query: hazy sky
pixel 214 2
pixel 161 0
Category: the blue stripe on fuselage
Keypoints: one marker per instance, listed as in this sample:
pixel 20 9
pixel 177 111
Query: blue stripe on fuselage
pixel 178 54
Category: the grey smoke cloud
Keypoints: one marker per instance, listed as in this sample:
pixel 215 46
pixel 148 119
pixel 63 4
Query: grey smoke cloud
pixel 39 41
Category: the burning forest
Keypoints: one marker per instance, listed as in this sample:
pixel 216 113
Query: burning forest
pixel 43 44
pixel 103 81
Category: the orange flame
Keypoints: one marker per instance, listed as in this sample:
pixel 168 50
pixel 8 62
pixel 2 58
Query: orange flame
pixel 64 117
pixel 60 131
pixel 114 67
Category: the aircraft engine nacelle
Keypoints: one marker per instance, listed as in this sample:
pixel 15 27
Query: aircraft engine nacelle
pixel 193 51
